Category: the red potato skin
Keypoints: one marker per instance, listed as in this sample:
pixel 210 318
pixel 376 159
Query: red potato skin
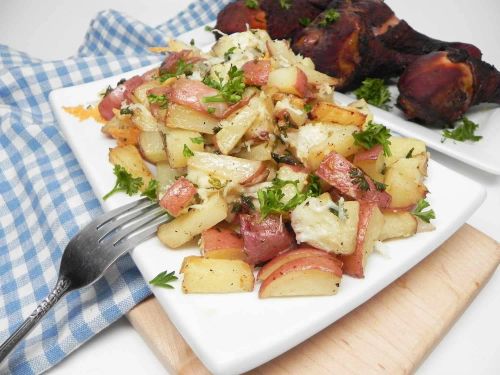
pixel 353 263
pixel 263 239
pixel 220 238
pixel 288 256
pixel 335 170
pixel 256 72
pixel 259 176
pixel 371 154
pixel 178 196
pixel 320 263
pixel 114 99
pixel 301 84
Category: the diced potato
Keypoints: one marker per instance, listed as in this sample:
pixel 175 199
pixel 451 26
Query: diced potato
pixel 309 276
pixel 175 140
pixel 329 112
pixel 222 243
pixel 317 78
pixel 372 162
pixel 294 107
pixel 141 92
pixel 204 275
pixel 166 175
pixel 182 117
pixel 362 106
pixel 405 183
pixel 152 146
pixel 316 225
pixel 238 170
pixel 398 225
pixel 289 80
pixel 185 227
pixel 291 173
pixel 144 120
pixel 123 130
pixel 259 152
pixel 371 222
pixel 264 123
pixel 129 158
pixel 235 126
pixel 400 148
pixel 315 141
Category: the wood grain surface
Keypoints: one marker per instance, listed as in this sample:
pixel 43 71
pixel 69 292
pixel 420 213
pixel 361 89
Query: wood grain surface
pixel 391 333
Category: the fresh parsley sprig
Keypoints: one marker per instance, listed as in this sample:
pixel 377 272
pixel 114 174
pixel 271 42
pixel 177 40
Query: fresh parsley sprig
pixel 329 16
pixel 163 279
pixel 305 21
pixel 252 4
pixel 463 132
pixel 186 151
pixel 151 190
pixel 374 134
pixel 125 182
pixel 359 178
pixel 375 92
pixel 231 91
pixel 419 212
pixel 285 4
pixel 161 100
pixel 198 140
pixel 181 68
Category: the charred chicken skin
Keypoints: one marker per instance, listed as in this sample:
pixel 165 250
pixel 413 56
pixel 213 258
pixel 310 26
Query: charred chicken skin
pixel 438 88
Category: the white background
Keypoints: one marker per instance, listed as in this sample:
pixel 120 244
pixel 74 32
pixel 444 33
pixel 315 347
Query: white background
pixel 53 29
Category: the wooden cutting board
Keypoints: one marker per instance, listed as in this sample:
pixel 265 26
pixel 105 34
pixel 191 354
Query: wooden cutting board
pixel 395 330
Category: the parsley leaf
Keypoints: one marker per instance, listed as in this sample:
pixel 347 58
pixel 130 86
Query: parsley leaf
pixel 329 16
pixel 180 69
pixel 208 28
pixel 286 4
pixel 409 155
pixel 163 279
pixel 380 186
pixel 198 140
pixel 186 151
pixel 228 53
pixel 231 91
pixel 126 111
pixel 252 4
pixel 158 99
pixel 358 178
pixel 125 182
pixel 288 158
pixel 308 107
pixel 463 132
pixel 419 212
pixel 216 183
pixel 151 190
pixel 375 134
pixel 211 110
pixel 305 21
pixel 270 199
pixel 375 92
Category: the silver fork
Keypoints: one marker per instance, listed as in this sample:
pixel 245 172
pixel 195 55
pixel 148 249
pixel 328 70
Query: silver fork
pixel 91 252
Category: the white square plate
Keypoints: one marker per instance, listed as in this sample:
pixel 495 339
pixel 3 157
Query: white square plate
pixel 233 333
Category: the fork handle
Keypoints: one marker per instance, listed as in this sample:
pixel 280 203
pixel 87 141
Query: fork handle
pixel 62 287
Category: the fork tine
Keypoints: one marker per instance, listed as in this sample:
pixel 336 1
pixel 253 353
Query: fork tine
pixel 127 217
pixel 108 216
pixel 146 232
pixel 125 233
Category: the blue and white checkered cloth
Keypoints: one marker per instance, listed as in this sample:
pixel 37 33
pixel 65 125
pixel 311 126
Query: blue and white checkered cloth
pixel 44 196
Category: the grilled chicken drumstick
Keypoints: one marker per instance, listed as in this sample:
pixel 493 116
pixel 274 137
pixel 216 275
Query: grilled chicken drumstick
pixel 438 88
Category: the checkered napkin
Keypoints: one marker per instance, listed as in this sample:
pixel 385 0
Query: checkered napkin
pixel 44 196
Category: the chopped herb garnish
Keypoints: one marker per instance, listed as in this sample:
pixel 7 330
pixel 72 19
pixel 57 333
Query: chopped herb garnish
pixel 375 92
pixel 126 111
pixel 409 155
pixel 211 110
pixel 121 82
pixel 216 129
pixel 180 69
pixel 252 4
pixel 380 186
pixel 186 151
pixel 270 199
pixel 359 178
pixel 209 28
pixel 288 158
pixel 375 134
pixel 198 140
pixel 228 53
pixel 231 91
pixel 308 108
pixel 125 182
pixel 247 201
pixel 313 188
pixel 339 210
pixel 329 16
pixel 463 132
pixel 163 279
pixel 151 190
pixel 161 100
pixel 419 212
pixel 305 21
pixel 107 91
pixel 216 183
pixel 286 4
pixel 191 42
